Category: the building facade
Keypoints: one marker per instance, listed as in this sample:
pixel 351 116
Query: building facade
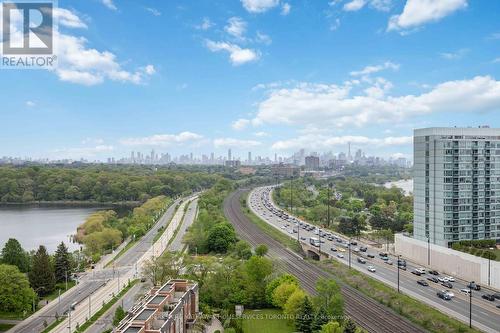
pixel 312 162
pixel 171 308
pixel 456 184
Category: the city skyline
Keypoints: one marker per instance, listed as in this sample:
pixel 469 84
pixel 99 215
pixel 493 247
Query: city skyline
pixel 365 72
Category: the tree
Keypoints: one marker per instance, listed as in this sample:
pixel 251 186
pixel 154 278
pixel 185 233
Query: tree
pixel 304 319
pixel 294 302
pixel 161 269
pixel 329 298
pixel 242 250
pixel 221 237
pixel 257 270
pixel 16 294
pixel 350 326
pixel 14 254
pixel 321 317
pixel 119 315
pixel 331 327
pixel 41 276
pixel 271 286
pixel 261 250
pixel 62 263
pixel 282 293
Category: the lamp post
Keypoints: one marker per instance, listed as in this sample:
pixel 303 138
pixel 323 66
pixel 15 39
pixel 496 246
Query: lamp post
pixel 489 265
pixel 291 194
pixel 399 259
pixel 428 251
pixel 470 304
pixel 328 206
pixel 349 246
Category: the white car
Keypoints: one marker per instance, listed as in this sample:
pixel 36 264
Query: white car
pixel 443 279
pixel 340 255
pixel 283 227
pixel 449 292
pixel 451 278
pixel 465 291
pixel 371 268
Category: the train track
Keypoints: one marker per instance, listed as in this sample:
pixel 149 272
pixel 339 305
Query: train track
pixel 366 312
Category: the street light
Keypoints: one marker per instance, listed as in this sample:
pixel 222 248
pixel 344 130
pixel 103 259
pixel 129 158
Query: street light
pixel 328 207
pixel 399 260
pixel 428 250
pixel 349 246
pixel 489 264
pixel 470 304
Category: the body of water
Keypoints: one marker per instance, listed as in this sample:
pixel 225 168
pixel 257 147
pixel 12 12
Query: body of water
pixel 405 185
pixel 35 226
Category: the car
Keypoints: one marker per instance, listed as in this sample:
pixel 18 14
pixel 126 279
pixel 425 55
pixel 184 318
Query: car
pixel 401 262
pixel 465 291
pixel 498 306
pixel 388 262
pixel 363 249
pixel 340 255
pixel 416 272
pixel 361 260
pixel 383 254
pixel 354 243
pixel 443 295
pixel 447 285
pixel 496 295
pixel 421 270
pixel 371 269
pixel 423 283
pixel 474 286
pixel 433 279
pixel 443 279
pixel 369 255
pixel 339 240
pixel 433 272
pixel 403 268
pixel 450 293
pixel 488 297
pixel 356 249
pixel 302 238
pixel 283 227
pixel 451 278
pixel 385 258
pixel 333 249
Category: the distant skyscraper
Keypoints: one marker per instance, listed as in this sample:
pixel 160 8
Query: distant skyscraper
pixel 312 162
pixel 349 156
pixel 456 177
pixel 249 157
pixel 152 156
pixel 275 158
pixel 229 157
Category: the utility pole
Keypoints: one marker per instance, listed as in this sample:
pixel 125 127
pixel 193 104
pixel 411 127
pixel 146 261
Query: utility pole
pixel 349 246
pixel 489 265
pixel 328 206
pixel 428 251
pixel 470 304
pixel 399 259
pixel 291 194
pixel 90 306
pixel 69 320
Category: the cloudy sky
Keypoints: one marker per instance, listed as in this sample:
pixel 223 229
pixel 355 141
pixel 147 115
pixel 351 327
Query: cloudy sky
pixel 261 75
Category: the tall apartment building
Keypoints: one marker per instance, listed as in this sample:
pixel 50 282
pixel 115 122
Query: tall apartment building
pixel 456 184
pixel 312 162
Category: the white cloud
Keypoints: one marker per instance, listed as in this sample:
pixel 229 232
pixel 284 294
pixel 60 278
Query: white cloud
pixel 30 104
pixel 240 124
pixel 153 11
pixel 354 5
pixel 68 19
pixel 259 6
pixel 374 69
pixel 236 27
pixel 325 142
pixel 496 60
pixel 237 55
pixel 163 139
pixel 454 55
pixel 495 35
pixel 96 141
pixel 205 24
pixel 335 25
pixel 109 4
pixel 79 64
pixel 322 105
pixel 419 12
pixel 263 38
pixel 261 134
pixel 285 9
pixel 231 142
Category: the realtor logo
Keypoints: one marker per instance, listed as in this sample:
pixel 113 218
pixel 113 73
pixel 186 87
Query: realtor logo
pixel 28 34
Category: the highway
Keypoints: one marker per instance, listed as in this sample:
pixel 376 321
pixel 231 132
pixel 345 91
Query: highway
pixel 485 315
pixel 176 244
pixel 99 284
pixel 369 314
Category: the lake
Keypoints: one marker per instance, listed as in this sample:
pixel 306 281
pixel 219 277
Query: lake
pixel 405 185
pixel 48 226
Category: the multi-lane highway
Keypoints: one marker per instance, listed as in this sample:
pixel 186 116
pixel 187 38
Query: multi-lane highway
pixel 369 314
pixel 100 284
pixel 485 314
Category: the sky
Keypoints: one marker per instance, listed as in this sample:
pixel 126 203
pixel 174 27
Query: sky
pixel 267 76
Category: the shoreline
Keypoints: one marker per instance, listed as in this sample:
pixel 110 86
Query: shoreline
pixel 71 204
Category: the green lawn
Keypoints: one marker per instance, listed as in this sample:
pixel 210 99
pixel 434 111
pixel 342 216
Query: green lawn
pixel 5 327
pixel 266 321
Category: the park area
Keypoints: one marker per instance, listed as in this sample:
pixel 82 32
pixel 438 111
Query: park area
pixel 266 321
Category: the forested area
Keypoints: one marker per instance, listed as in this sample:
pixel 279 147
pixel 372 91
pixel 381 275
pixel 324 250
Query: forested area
pixel 355 205
pixel 97 183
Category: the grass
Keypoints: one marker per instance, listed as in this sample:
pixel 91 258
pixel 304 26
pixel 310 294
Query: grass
pixel 266 321
pixel 417 312
pixel 5 327
pixel 13 315
pixel 269 229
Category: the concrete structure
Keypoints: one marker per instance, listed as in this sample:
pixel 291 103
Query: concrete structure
pixel 456 184
pixel 312 162
pixel 449 261
pixel 171 308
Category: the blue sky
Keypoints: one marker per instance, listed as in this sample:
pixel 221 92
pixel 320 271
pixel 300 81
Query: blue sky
pixel 261 75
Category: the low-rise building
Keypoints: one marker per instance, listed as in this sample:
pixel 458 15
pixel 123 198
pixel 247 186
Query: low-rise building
pixel 171 308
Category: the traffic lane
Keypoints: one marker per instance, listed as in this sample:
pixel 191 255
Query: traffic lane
pixel 387 273
pixel 176 244
pixel 266 194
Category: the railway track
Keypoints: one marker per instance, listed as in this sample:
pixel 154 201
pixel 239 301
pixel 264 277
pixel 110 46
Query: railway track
pixel 366 312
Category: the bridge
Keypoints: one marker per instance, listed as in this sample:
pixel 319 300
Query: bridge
pixel 313 252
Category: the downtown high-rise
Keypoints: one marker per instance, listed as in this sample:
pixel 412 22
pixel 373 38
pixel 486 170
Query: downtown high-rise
pixel 456 184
